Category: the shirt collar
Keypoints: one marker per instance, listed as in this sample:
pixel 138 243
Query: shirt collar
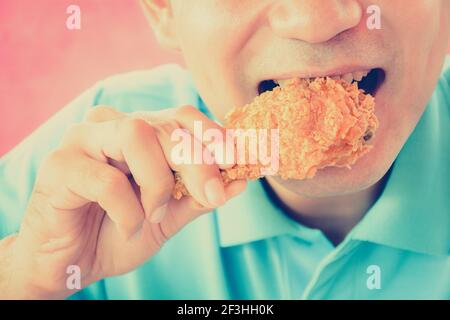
pixel 411 214
pixel 249 217
pixel 252 216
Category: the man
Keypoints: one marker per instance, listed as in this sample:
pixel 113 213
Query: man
pixel 95 197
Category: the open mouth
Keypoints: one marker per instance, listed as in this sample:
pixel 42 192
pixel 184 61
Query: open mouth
pixel 369 81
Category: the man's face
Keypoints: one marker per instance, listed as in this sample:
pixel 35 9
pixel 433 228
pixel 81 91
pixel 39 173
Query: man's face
pixel 231 46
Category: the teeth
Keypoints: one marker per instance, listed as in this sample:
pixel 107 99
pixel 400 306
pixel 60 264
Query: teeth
pixel 348 77
pixel 358 75
pixel 282 83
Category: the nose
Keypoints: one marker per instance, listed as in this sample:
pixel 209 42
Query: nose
pixel 314 21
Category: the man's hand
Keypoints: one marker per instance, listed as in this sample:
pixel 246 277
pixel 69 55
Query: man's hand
pixel 102 200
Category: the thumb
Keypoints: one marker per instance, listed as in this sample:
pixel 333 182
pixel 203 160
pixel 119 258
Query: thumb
pixel 181 212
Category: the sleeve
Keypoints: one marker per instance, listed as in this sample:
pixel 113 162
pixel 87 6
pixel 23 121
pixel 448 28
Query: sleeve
pixel 18 168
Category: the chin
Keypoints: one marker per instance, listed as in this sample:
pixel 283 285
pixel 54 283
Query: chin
pixel 331 182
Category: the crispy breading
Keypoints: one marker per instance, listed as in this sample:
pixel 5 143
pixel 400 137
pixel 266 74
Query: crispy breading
pixel 322 123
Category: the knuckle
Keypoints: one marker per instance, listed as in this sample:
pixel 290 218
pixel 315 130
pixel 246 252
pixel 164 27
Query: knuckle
pixel 110 180
pixel 134 128
pixel 72 133
pixel 54 167
pixel 97 112
pixel 167 126
pixel 185 110
pixel 56 158
pixel 50 163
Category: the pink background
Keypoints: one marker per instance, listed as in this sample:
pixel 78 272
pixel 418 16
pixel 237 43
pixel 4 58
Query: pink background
pixel 43 65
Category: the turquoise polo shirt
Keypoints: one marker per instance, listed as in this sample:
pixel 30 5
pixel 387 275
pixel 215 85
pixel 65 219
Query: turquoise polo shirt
pixel 249 248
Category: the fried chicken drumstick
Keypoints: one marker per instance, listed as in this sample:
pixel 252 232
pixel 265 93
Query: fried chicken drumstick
pixel 322 123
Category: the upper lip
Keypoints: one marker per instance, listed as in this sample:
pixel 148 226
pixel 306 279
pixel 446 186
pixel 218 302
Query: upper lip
pixel 314 73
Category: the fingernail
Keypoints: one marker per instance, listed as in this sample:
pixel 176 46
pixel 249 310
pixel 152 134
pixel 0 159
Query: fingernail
pixel 215 192
pixel 158 214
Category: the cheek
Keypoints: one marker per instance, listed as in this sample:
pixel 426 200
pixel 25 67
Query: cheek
pixel 206 48
pixel 416 32
pixel 212 36
pixel 420 37
pixel 201 43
